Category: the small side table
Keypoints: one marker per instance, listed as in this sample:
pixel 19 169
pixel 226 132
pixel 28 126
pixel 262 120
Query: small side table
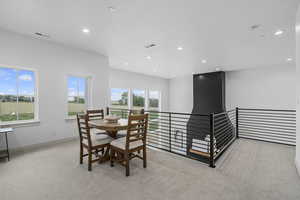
pixel 5 131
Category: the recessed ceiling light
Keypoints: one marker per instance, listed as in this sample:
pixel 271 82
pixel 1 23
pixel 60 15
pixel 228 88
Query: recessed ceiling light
pixel 112 8
pixel 204 61
pixel 278 32
pixel 148 57
pixel 179 48
pixel 289 59
pixel 85 30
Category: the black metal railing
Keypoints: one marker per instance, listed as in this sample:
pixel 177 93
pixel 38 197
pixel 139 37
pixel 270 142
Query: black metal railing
pixel 198 136
pixel 224 131
pixel 278 126
pixel 206 137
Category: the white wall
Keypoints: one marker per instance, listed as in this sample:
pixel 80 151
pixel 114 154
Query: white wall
pixel 261 88
pixel 181 94
pixel 298 90
pixel 125 79
pixel 254 88
pixel 53 63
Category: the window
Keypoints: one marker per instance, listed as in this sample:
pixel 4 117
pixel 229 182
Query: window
pixel 77 95
pixel 154 97
pixel 17 95
pixel 153 105
pixel 138 99
pixel 119 98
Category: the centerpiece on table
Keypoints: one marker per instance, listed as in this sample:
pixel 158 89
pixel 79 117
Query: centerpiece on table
pixel 112 119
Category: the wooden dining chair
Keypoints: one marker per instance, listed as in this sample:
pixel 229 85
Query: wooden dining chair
pixel 92 143
pixel 96 115
pixel 124 149
pixel 131 112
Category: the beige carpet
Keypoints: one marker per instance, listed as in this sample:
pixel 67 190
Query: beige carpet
pixel 248 170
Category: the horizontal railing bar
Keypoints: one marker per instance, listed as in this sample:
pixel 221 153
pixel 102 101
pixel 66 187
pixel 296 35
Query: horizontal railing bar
pixel 172 145
pixel 224 148
pixel 269 132
pixel 222 129
pixel 218 133
pixel 229 132
pixel 260 109
pixel 268 123
pixel 268 135
pixel 293 120
pixel 267 114
pixel 266 127
pixel 265 137
pixel 225 123
pixel 223 113
pixel 153 111
pixel 268 117
pixel 226 140
pixel 273 141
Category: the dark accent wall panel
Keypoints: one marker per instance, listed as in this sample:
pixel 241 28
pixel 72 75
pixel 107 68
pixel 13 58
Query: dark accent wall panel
pixel 209 97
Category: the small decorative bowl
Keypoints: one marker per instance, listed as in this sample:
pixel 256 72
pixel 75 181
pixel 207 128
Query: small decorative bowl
pixel 112 119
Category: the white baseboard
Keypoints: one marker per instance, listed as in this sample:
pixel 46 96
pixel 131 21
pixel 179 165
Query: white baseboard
pixel 297 163
pixel 42 145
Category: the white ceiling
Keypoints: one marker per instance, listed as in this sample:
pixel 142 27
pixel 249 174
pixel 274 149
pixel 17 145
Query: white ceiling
pixel 215 30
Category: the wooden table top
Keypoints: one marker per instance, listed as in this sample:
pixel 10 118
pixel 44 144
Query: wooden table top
pixel 104 125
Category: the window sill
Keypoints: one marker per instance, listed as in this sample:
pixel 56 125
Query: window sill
pixel 70 118
pixel 19 123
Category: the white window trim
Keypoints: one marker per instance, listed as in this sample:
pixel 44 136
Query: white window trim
pixel 88 93
pixel 36 98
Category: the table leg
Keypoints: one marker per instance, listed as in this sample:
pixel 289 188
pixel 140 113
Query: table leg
pixel 7 151
pixel 112 134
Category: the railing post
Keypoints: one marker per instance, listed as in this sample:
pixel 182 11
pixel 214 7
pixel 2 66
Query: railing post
pixel 212 144
pixel 170 133
pixel 107 110
pixel 237 122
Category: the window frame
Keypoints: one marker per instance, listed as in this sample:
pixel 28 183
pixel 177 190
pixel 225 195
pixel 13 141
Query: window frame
pixel 36 96
pixel 87 95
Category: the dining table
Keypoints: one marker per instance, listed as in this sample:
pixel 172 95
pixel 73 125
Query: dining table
pixel 112 129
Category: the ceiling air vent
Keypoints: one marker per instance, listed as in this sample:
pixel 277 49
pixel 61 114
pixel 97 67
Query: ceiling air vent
pixel 255 26
pixel 150 46
pixel 42 35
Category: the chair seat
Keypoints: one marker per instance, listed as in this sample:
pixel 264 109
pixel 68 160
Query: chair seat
pixel 121 143
pixel 99 140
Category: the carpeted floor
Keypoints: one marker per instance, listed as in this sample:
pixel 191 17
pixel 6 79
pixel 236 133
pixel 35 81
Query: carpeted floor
pixel 248 170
